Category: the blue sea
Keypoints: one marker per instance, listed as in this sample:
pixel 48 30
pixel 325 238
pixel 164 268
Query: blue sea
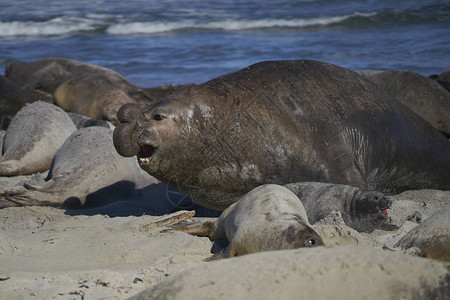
pixel 173 42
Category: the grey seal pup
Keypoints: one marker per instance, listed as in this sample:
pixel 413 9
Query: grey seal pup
pixel 270 217
pixel 85 168
pixel 431 238
pixel 339 273
pixel 34 135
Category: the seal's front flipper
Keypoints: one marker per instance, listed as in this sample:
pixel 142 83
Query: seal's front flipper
pixel 214 257
pixel 367 211
pixel 10 167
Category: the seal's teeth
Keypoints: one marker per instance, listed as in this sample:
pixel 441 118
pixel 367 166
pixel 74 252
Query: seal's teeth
pixel 144 159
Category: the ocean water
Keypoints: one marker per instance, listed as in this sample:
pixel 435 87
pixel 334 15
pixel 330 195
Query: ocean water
pixel 155 43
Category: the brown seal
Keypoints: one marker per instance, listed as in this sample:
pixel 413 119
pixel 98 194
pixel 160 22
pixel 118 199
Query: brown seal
pixel 282 122
pixel 95 97
pixel 47 74
pixel 443 79
pixel 421 94
pixel 270 217
pixel 12 99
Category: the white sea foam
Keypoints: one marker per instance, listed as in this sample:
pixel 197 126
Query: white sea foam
pixel 91 22
pixel 227 25
pixel 148 27
pixel 55 26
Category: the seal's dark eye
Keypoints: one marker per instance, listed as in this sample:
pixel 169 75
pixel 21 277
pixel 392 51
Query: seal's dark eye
pixel 311 242
pixel 159 117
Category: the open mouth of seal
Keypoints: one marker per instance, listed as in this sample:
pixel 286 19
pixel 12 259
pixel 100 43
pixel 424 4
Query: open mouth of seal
pixel 145 154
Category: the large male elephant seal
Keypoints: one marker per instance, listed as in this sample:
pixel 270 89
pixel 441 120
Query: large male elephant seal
pixel 270 217
pixel 85 167
pixel 47 74
pixel 282 122
pixel 36 132
pixel 161 92
pixel 96 97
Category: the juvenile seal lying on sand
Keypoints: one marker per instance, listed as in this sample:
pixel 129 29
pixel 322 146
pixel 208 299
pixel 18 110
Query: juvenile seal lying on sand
pixel 36 132
pixel 270 217
pixel 47 74
pixel 362 210
pixel 282 122
pixel 86 166
pixel 96 97
pixel 431 238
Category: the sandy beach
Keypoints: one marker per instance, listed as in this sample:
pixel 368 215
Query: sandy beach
pixel 100 253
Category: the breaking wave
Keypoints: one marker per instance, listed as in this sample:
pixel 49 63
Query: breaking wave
pixel 225 25
pixel 94 24
pixel 146 24
pixel 55 26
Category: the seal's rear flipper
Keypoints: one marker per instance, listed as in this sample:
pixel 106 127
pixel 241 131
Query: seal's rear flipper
pixel 6 202
pixel 22 196
pixel 16 199
pixel 8 197
pixel 197 228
